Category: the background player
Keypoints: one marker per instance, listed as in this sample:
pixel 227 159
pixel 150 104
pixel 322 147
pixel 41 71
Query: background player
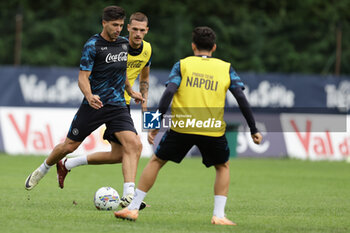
pixel 139 57
pixel 206 97
pixel 139 62
pixel 102 79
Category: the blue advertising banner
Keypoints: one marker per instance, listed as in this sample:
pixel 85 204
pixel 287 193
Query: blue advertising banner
pixel 39 87
pixel 299 92
pixel 58 87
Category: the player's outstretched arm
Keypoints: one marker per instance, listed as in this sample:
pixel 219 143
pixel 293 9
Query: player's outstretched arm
pixel 247 113
pixel 84 85
pixel 245 108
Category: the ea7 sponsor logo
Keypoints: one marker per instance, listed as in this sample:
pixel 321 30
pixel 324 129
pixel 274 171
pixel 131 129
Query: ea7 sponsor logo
pixel 122 56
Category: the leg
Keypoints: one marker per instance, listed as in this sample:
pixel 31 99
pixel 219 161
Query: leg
pixel 150 173
pixel 131 152
pixel 114 156
pixel 174 147
pixel 60 151
pixel 111 157
pixel 222 180
pixel 148 177
pixel 84 122
pixel 215 153
pixel 221 187
pixel 104 157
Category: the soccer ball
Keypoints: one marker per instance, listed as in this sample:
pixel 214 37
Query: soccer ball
pixel 106 198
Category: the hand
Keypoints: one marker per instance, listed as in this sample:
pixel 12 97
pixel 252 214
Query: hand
pixel 137 97
pixel 151 135
pixel 94 101
pixel 257 137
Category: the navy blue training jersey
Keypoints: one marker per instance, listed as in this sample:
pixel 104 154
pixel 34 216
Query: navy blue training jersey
pixel 107 62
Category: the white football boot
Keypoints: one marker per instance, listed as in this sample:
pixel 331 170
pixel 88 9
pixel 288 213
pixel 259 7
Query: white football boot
pixel 33 179
pixel 126 200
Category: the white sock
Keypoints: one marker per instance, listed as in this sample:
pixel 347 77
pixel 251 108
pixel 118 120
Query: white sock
pixel 138 198
pixel 44 168
pixel 75 162
pixel 219 206
pixel 129 188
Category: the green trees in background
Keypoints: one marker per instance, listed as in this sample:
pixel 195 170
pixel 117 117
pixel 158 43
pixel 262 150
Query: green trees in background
pixel 297 36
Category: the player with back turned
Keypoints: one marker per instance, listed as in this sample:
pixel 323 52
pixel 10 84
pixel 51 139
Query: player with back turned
pixel 197 87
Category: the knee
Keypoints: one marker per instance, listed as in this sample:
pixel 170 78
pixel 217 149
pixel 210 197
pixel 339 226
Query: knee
pixel 70 147
pixel 138 144
pixel 155 160
pixel 223 166
pixel 135 145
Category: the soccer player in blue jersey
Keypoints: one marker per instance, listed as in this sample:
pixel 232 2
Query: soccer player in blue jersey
pixel 197 87
pixel 102 80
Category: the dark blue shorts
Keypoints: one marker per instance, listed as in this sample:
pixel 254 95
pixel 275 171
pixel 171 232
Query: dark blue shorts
pixel 174 147
pixel 88 119
pixel 128 106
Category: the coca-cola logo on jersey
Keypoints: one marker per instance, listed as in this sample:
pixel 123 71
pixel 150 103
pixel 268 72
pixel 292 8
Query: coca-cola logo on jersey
pixel 122 56
pixel 134 64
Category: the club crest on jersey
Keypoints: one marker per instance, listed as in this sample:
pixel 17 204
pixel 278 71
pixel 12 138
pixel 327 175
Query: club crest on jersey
pixel 122 56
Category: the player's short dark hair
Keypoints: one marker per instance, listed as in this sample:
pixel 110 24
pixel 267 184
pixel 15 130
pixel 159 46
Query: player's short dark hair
pixel 138 16
pixel 204 38
pixel 111 13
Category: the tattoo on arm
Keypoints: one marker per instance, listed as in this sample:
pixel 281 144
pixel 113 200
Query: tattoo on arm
pixel 144 87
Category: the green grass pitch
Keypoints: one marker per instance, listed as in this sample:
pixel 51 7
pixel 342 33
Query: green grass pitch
pixel 266 195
